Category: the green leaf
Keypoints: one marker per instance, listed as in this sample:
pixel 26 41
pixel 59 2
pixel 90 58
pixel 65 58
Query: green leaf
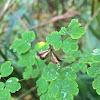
pixel 13 85
pixel 83 60
pixel 75 67
pixel 63 89
pixel 35 72
pixel 55 39
pixel 79 66
pixel 46 97
pixel 5 95
pixel 69 45
pixel 6 69
pixel 30 72
pixel 96 58
pixel 26 59
pixel 40 63
pixel 70 86
pixel 42 85
pixel 41 46
pixel 87 54
pixel 64 96
pixel 63 31
pixel 68 73
pixel 28 36
pixel 77 53
pixel 1 86
pixel 70 59
pixel 74 53
pixel 51 72
pixel 96 84
pixel 20 46
pixel 83 67
pixel 94 70
pixel 75 30
pixel 54 87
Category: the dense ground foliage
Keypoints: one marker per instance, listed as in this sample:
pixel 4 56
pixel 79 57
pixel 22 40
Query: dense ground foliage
pixel 71 29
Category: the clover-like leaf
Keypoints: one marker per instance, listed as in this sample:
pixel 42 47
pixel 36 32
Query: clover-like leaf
pixel 83 67
pixel 63 89
pixel 51 72
pixel 96 84
pixel 74 53
pixel 20 46
pixel 70 86
pixel 6 69
pixel 40 63
pixel 94 70
pixel 30 72
pixel 77 53
pixel 61 95
pixel 68 73
pixel 75 30
pixel 26 59
pixel 28 36
pixel 1 86
pixel 76 67
pixel 35 72
pixel 69 45
pixel 79 66
pixel 41 46
pixel 54 87
pixel 96 58
pixel 5 94
pixel 45 96
pixel 13 85
pixel 87 54
pixel 63 31
pixel 55 39
pixel 70 59
pixel 83 60
pixel 43 85
pixel 27 73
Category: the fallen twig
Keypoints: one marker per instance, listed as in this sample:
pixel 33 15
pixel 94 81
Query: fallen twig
pixel 6 8
pixel 68 14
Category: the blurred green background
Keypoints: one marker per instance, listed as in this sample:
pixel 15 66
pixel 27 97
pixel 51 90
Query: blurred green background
pixel 43 17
